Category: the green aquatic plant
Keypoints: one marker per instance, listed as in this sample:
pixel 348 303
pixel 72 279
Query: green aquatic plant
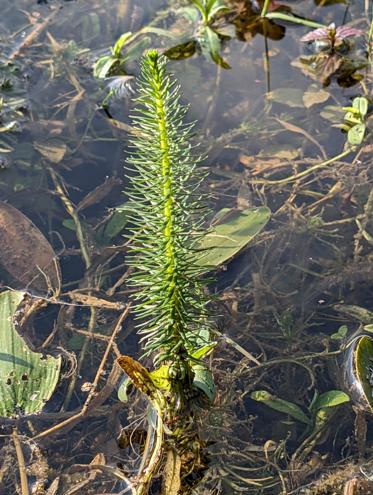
pixel 166 212
pixel 165 208
pixel 207 37
pixel 170 251
pixel 354 120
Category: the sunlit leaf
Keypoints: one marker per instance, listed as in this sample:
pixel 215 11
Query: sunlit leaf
pixel 233 230
pixel 355 135
pixel 119 44
pixel 161 378
pixel 200 353
pixel 204 380
pixel 211 44
pixel 361 105
pixel 281 405
pixel 27 379
pixel 332 398
pixel 102 67
pixel 362 364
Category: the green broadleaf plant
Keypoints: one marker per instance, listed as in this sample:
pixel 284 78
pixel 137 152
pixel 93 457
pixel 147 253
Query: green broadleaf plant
pixel 27 379
pixel 354 120
pixel 206 38
pixel 232 230
pixel 319 410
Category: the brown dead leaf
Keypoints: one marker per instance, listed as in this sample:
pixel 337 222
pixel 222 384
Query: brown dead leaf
pixel 315 95
pixel 26 255
pixel 53 153
pixel 139 375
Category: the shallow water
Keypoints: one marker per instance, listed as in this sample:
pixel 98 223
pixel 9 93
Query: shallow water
pixel 264 119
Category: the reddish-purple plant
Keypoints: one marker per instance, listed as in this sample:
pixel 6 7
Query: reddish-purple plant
pixel 332 36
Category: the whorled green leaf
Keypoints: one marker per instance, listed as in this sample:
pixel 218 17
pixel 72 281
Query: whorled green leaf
pixel 331 398
pixel 27 379
pixel 233 230
pixel 281 405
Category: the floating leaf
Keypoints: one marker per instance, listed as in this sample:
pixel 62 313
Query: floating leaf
pixel 27 379
pixel 332 398
pixel 25 253
pixel 281 405
pixel 234 230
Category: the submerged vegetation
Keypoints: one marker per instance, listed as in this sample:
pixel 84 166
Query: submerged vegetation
pixel 237 302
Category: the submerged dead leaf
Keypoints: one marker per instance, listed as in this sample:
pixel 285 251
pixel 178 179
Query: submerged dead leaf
pixel 314 95
pixel 25 253
pixel 53 153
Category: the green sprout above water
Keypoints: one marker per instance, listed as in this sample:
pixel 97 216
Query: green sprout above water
pixel 207 37
pixel 354 120
pixel 166 211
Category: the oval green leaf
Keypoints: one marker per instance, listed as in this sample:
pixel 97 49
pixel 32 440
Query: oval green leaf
pixel 233 230
pixel 281 405
pixel 332 398
pixel 356 134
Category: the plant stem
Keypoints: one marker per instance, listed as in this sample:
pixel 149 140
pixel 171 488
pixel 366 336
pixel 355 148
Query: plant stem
pixel 281 16
pixel 305 172
pixel 265 8
pixel 21 463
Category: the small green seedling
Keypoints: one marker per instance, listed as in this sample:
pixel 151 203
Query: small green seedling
pixel 207 37
pixel 113 64
pixel 354 120
pixel 319 410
